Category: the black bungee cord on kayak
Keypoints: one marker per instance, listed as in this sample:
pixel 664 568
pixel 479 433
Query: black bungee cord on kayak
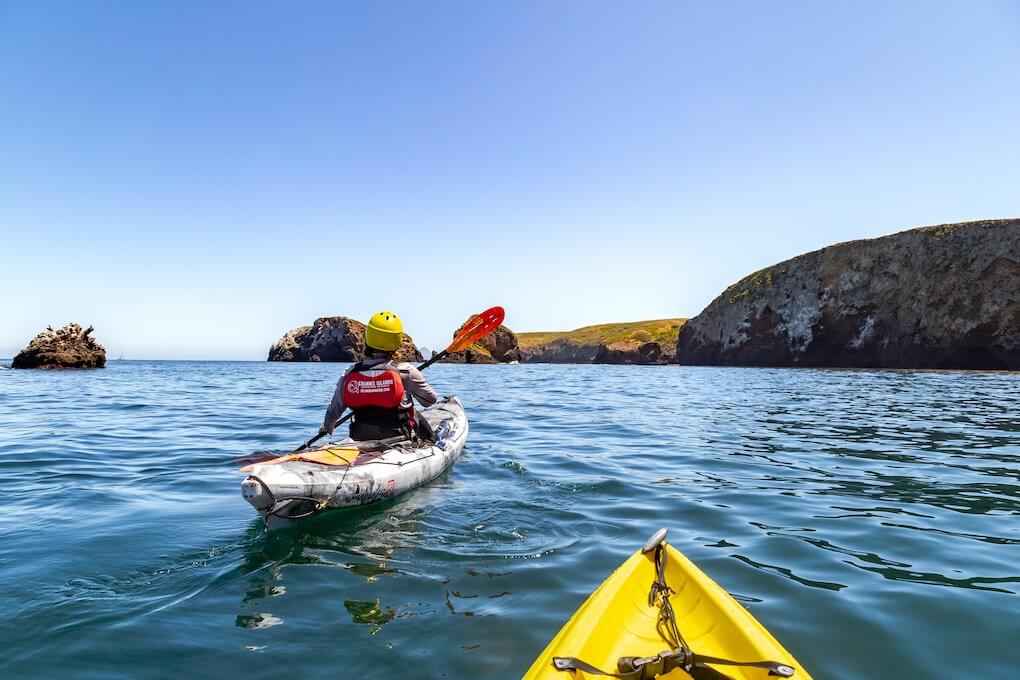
pixel 680 654
pixel 278 504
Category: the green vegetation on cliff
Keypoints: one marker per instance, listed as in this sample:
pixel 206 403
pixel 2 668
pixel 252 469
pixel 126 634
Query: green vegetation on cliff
pixel 477 347
pixel 635 342
pixel 662 331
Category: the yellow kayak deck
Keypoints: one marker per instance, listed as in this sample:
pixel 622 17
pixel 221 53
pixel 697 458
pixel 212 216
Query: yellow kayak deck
pixel 617 621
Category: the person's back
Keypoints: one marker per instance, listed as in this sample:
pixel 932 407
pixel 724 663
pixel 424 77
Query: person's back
pixel 379 391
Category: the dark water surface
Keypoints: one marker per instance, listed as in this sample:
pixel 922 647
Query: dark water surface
pixel 870 519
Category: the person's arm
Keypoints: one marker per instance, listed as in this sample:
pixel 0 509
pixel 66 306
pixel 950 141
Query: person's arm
pixel 336 406
pixel 421 390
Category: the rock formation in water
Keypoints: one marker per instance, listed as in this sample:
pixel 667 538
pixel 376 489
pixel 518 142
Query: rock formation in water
pixel 498 347
pixel 69 347
pixel 332 338
pixel 638 342
pixel 946 296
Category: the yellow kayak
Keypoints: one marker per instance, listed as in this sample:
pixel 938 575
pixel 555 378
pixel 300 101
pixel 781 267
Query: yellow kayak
pixel 659 616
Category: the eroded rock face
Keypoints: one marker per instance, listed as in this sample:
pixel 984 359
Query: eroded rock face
pixel 69 347
pixel 332 338
pixel 562 351
pixel 498 347
pixel 633 352
pixel 632 342
pixel 468 356
pixel 946 296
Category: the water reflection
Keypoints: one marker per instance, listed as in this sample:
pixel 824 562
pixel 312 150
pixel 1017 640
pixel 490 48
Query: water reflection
pixel 257 621
pixel 372 614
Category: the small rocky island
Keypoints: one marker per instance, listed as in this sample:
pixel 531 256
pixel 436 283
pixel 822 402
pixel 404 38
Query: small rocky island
pixel 498 347
pixel 946 296
pixel 69 347
pixel 332 338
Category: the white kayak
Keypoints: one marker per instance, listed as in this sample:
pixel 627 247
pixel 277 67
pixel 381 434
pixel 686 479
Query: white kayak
pixel 347 474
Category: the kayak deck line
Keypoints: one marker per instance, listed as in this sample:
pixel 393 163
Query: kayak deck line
pixel 278 504
pixel 627 620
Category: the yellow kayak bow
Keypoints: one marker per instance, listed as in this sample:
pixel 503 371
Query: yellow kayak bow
pixel 659 616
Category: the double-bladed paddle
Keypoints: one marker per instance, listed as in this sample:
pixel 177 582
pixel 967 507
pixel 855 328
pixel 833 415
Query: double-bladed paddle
pixel 474 329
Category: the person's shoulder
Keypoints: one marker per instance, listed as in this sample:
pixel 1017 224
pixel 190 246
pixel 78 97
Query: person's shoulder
pixel 410 369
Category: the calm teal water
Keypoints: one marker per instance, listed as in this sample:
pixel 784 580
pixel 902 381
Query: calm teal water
pixel 870 519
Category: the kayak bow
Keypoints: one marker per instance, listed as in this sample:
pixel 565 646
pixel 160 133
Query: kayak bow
pixel 659 616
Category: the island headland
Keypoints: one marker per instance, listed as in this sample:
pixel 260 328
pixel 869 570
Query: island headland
pixel 636 342
pixel 945 296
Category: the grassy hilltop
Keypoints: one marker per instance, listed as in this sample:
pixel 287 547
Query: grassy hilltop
pixel 651 341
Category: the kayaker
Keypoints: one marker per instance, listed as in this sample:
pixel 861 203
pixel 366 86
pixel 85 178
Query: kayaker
pixel 379 390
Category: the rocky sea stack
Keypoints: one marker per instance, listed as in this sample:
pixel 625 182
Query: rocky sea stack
pixel 498 347
pixel 946 296
pixel 332 338
pixel 69 347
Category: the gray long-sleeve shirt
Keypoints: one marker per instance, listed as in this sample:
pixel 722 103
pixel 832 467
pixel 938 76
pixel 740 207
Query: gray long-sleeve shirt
pixel 414 385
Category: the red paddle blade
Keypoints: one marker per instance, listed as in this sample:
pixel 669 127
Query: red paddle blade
pixel 476 328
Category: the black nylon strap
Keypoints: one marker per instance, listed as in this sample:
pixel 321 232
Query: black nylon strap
pixel 654 665
pixel 569 663
pixel 773 667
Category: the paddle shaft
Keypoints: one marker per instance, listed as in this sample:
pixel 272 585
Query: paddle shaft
pixel 435 357
pixel 341 421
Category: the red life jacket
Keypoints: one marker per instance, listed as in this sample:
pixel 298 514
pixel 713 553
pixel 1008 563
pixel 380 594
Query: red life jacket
pixel 376 394
pixel 381 387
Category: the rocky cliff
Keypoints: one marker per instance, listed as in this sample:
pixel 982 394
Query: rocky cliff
pixel 498 347
pixel 332 338
pixel 70 347
pixel 638 342
pixel 946 296
pixel 634 352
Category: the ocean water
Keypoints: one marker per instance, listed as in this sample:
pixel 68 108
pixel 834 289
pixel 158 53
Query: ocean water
pixel 870 519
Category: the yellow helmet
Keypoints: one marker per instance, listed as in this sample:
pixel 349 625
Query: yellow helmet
pixel 384 332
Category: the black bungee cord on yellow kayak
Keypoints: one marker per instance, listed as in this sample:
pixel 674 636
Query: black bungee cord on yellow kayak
pixel 680 654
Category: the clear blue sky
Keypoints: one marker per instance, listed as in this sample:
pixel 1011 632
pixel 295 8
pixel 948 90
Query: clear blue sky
pixel 194 178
